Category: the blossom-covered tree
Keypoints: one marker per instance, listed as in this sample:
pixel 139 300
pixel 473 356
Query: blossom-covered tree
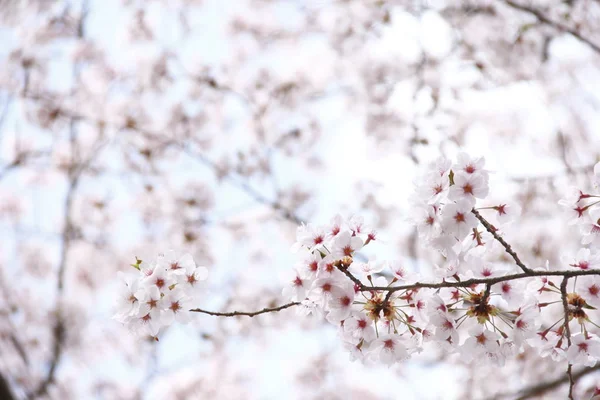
pixel 431 164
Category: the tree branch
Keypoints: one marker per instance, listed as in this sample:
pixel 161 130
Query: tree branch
pixel 544 387
pixel 246 313
pixel 567 330
pixel 486 281
pixel 491 229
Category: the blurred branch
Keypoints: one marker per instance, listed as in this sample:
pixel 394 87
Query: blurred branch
pixel 544 387
pixel 5 391
pixel 584 169
pixel 554 24
pixel 73 175
pixel 240 183
pixel 243 185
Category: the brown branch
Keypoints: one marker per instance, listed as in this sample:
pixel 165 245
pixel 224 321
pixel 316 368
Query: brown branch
pixel 485 281
pixel 554 24
pixel 246 313
pixel 491 229
pixel 567 330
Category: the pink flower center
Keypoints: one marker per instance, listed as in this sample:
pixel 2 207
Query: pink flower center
pixel 459 217
pixel 467 188
pixel 175 307
pixel 388 344
pixel 347 251
pixel 326 287
pixel 481 339
pixel 469 169
pixel 160 282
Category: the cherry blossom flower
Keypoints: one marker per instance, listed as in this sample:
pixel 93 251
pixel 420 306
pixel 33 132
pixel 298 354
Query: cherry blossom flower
pixel 433 188
pixel 506 213
pixel 359 326
pixel 468 165
pixel 513 292
pixel 589 288
pixel 310 236
pixel 367 269
pixel 475 266
pixel 584 350
pixel 309 266
pixel 177 305
pixel 389 349
pixel 192 275
pixel 340 304
pixel 335 226
pixel 445 329
pixel 172 262
pixel 526 325
pixel 584 260
pixel 323 289
pixel 457 219
pixel 468 187
pixel 345 245
pixel 427 220
pixel 296 287
pixel 590 228
pixel 481 341
pixel 127 302
pixel 400 272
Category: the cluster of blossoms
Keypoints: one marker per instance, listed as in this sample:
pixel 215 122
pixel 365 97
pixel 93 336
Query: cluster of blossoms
pixel 161 292
pixel 480 307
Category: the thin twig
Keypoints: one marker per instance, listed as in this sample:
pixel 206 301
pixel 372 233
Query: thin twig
pixel 246 313
pixel 491 229
pixel 567 330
